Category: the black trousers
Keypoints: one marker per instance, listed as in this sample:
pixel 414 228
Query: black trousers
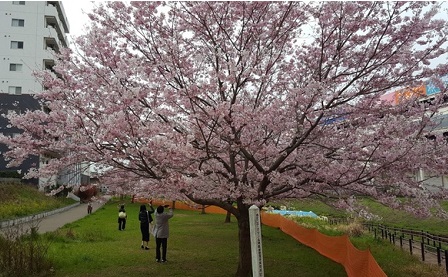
pixel 161 242
pixel 121 223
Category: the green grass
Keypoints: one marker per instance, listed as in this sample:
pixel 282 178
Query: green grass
pixel 199 245
pixel 19 200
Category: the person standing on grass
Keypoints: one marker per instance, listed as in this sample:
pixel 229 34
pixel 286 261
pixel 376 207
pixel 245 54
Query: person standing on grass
pixel 161 232
pixel 145 219
pixel 122 216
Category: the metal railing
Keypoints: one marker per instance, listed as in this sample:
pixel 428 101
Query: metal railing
pixel 424 242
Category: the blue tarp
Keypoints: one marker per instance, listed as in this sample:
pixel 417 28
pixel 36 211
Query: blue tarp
pixel 295 213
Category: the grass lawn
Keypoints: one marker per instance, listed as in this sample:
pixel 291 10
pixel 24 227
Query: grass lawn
pixel 199 245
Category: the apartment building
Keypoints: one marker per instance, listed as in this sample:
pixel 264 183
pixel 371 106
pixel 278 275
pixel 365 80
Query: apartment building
pixel 31 32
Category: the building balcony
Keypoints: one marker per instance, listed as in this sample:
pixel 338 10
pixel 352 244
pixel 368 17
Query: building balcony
pixel 54 30
pixel 61 14
pixel 52 43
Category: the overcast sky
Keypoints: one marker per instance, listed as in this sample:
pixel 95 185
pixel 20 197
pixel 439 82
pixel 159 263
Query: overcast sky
pixel 76 18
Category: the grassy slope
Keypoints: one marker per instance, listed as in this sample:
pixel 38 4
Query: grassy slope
pixel 20 200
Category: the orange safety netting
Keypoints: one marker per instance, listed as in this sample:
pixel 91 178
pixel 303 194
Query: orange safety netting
pixel 185 206
pixel 357 263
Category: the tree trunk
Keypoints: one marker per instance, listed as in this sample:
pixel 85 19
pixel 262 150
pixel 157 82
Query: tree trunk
pixel 245 259
pixel 228 216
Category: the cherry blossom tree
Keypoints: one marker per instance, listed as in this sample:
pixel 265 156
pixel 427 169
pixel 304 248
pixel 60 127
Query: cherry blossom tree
pixel 245 102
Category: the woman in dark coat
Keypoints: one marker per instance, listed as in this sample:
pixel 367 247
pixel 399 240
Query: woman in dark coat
pixel 145 219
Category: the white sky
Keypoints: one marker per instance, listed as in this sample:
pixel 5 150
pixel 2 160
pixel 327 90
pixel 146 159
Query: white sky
pixel 76 15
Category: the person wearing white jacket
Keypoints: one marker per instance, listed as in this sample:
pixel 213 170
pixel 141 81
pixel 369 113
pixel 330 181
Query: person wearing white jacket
pixel 161 231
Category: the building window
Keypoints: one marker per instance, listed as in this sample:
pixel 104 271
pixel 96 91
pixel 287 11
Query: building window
pixel 18 2
pixel 15 67
pixel 16 44
pixel 18 22
pixel 15 90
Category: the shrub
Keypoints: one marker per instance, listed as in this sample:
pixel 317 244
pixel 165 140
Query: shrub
pixel 354 229
pixel 23 253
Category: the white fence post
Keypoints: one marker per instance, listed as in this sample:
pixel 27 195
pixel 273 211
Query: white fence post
pixel 255 241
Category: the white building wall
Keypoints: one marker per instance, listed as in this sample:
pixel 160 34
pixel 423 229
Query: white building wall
pixel 36 16
pixel 432 182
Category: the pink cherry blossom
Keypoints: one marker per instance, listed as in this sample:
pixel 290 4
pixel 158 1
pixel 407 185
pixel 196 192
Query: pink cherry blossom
pixel 247 102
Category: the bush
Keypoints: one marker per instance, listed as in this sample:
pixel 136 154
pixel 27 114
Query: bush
pixel 23 253
pixel 354 229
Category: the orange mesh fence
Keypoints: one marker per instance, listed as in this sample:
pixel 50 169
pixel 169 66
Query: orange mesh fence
pixel 188 206
pixel 357 263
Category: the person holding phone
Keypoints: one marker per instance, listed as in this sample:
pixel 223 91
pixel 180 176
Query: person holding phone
pixel 161 232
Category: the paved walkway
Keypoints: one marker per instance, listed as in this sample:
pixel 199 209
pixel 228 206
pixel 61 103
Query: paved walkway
pixel 55 221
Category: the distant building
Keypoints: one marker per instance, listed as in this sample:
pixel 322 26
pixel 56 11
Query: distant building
pixel 427 92
pixel 31 31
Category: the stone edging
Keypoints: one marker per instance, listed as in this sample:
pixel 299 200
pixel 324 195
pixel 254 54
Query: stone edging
pixel 17 221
